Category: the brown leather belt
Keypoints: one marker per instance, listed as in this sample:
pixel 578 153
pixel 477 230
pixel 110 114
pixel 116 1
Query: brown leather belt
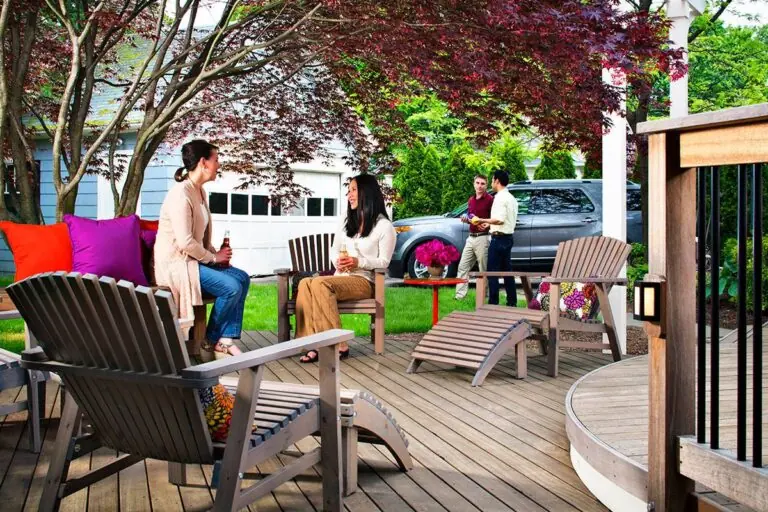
pixel 484 233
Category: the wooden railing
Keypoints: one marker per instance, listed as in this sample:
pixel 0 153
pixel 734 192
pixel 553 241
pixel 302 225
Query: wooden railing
pixel 685 155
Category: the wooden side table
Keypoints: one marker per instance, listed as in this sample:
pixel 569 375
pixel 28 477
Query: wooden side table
pixel 435 284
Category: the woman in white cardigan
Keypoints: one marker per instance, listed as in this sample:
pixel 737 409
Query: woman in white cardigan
pixel 365 241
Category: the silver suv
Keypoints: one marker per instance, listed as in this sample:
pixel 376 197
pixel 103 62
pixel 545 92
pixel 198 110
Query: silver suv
pixel 550 211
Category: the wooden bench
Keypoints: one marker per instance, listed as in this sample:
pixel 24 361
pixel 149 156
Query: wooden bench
pixel 311 254
pixel 476 340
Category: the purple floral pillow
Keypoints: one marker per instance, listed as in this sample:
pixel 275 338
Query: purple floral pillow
pixel 107 247
pixel 578 300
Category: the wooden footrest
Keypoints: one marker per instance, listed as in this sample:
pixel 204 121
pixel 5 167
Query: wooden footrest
pixel 474 339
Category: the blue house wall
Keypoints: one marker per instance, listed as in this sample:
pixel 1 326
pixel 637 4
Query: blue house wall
pixel 158 179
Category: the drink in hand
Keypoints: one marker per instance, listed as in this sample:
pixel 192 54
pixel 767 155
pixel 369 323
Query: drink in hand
pixel 343 253
pixel 224 244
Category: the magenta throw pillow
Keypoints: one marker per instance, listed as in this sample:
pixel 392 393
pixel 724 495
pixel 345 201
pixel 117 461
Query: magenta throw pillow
pixel 107 247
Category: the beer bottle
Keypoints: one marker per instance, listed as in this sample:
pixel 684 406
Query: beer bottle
pixel 224 244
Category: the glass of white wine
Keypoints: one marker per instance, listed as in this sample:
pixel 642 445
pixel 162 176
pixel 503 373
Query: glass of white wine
pixel 343 254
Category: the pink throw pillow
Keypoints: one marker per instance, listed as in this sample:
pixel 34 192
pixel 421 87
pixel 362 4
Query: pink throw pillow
pixel 107 247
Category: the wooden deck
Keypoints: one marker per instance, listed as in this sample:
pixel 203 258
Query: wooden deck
pixel 499 447
pixel 608 417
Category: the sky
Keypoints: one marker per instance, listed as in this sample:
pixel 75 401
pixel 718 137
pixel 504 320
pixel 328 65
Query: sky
pixel 755 9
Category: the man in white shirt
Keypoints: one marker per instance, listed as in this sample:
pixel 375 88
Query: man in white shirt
pixel 502 221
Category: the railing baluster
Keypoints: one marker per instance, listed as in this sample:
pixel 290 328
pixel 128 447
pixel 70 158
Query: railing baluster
pixel 757 327
pixel 701 397
pixel 714 345
pixel 741 326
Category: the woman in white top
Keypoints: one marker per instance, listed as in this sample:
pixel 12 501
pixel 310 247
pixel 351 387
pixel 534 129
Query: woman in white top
pixel 368 237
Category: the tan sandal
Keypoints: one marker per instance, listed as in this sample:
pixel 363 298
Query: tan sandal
pixel 222 354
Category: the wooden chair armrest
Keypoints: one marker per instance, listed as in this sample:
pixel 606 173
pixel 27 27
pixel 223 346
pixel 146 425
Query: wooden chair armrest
pixel 264 355
pixel 380 271
pixel 509 273
pixel 596 280
pixel 282 271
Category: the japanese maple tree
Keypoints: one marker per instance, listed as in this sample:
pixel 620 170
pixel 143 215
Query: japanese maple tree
pixel 264 80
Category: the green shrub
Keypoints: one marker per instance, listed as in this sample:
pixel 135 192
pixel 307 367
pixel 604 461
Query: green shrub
pixel 556 166
pixel 635 272
pixel 418 182
pixel 729 277
pixel 510 154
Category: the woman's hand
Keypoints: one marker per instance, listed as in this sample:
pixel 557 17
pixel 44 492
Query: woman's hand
pixel 346 264
pixel 224 255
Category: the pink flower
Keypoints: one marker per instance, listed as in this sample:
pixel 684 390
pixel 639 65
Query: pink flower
pixel 436 254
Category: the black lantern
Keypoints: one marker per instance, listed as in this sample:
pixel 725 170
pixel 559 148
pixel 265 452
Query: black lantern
pixel 647 301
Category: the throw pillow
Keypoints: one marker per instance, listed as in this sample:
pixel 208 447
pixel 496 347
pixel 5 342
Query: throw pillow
pixel 107 247
pixel 37 248
pixel 576 299
pixel 217 404
pixel 148 237
pixel 149 225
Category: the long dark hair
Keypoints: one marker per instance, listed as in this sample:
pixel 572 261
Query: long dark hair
pixel 191 153
pixel 370 205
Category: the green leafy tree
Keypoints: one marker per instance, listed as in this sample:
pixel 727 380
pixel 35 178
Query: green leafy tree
pixel 565 162
pixel 509 155
pixel 418 182
pixel 459 175
pixel 555 166
pixel 593 168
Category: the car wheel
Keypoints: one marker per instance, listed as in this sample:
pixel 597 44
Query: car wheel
pixel 419 271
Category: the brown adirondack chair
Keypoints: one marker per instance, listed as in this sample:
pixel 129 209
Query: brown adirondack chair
pixel 311 254
pixel 120 353
pixel 597 260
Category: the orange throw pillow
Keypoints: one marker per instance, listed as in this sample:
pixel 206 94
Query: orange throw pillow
pixel 149 225
pixel 38 248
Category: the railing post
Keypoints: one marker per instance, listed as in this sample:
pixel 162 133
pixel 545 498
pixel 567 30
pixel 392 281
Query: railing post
pixel 672 345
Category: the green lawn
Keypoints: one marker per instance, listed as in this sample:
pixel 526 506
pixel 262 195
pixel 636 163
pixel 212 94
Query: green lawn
pixel 407 310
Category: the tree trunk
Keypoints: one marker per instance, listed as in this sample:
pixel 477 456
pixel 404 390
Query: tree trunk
pixel 135 174
pixel 66 203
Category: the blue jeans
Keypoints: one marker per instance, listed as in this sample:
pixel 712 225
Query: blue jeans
pixel 230 287
pixel 499 252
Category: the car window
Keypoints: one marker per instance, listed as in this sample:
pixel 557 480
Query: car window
pixel 565 200
pixel 523 201
pixel 634 201
pixel 458 211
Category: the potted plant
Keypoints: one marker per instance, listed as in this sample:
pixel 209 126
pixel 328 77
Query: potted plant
pixel 435 255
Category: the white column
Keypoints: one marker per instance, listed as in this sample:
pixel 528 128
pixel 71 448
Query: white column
pixel 681 13
pixel 615 200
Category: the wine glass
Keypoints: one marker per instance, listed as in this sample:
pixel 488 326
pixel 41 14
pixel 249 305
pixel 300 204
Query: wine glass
pixel 343 254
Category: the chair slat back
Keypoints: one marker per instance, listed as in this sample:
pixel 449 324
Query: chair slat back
pixel 93 323
pixel 311 253
pixel 592 256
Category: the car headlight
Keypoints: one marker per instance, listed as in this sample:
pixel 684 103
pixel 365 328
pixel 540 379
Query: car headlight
pixel 402 229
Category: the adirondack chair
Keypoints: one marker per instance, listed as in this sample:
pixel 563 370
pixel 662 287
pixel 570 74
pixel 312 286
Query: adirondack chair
pixel 311 254
pixel 120 353
pixel 597 260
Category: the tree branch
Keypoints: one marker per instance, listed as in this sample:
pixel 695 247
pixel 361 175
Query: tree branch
pixel 696 33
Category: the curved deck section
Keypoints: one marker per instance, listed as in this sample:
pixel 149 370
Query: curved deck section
pixel 607 425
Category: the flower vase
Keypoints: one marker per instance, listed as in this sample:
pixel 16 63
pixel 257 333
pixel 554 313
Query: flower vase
pixel 436 272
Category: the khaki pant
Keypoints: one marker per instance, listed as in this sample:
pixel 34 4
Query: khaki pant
pixel 475 250
pixel 317 301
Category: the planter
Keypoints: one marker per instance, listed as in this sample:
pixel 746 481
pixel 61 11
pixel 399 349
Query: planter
pixel 436 272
